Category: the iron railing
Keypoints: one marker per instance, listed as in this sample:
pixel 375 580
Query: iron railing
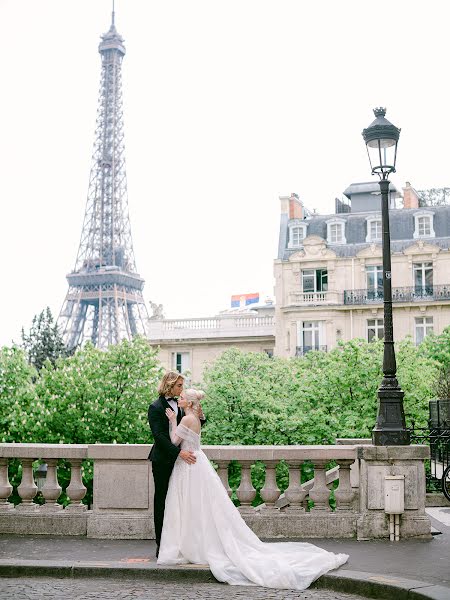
pixel 399 294
pixel 438 438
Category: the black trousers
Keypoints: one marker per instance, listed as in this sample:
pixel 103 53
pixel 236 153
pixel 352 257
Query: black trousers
pixel 161 476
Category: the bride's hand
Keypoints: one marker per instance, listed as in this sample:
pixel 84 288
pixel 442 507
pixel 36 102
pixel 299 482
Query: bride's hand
pixel 170 414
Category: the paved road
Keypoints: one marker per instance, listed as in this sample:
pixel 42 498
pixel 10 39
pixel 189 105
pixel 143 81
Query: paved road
pixel 49 588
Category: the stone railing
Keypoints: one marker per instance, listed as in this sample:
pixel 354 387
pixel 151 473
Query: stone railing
pixel 123 490
pixel 314 298
pixel 214 327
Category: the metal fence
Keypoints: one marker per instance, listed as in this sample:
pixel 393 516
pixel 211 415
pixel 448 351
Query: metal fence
pixel 438 438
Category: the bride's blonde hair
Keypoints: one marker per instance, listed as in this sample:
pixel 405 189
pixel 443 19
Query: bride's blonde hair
pixel 194 397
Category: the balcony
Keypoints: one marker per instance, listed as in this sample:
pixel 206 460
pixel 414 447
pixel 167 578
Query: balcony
pixel 315 298
pixel 400 294
pixel 302 350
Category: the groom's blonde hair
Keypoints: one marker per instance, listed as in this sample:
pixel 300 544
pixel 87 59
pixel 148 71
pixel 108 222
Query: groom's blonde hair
pixel 168 381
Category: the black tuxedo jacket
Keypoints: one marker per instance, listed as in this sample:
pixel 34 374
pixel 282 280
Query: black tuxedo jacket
pixel 163 451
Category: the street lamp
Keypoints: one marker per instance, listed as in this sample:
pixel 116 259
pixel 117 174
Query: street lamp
pixel 381 139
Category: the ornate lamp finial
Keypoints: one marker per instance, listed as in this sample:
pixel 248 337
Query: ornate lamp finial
pixel 379 112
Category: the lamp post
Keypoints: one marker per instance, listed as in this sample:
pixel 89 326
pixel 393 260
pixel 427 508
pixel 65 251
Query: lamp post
pixel 381 139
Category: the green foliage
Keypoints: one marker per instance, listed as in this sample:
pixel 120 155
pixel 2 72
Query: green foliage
pixel 43 342
pixel 17 395
pixel 100 396
pixel 437 348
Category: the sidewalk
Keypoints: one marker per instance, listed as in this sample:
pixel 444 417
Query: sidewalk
pixel 419 565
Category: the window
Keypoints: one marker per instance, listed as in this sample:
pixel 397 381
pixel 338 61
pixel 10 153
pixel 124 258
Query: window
pixel 314 280
pixel 424 326
pixel 181 361
pixel 310 336
pixel 374 276
pixel 423 224
pixel 296 236
pixel 296 233
pixel 375 329
pixel 335 236
pixel 336 231
pixel 374 230
pixel 423 278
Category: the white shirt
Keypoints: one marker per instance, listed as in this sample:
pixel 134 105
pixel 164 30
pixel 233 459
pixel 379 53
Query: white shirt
pixel 173 405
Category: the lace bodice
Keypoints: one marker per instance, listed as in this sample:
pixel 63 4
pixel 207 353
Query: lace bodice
pixel 188 439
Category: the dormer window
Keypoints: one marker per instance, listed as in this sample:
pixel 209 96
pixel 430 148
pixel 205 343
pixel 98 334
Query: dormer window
pixel 423 224
pixel 336 231
pixel 297 233
pixel 373 229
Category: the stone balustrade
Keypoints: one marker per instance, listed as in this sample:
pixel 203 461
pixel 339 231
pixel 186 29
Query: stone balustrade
pixel 222 326
pixel 345 500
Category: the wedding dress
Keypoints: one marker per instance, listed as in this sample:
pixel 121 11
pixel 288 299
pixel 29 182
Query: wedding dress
pixel 202 526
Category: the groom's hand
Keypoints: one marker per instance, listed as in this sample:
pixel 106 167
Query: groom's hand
pixel 187 456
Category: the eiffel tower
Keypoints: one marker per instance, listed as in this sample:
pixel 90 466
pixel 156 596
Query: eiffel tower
pixel 104 303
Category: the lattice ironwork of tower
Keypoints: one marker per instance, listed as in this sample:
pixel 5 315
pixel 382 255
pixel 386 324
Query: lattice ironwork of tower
pixel 104 303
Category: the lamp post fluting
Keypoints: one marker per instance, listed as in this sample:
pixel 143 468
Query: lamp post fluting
pixel 381 139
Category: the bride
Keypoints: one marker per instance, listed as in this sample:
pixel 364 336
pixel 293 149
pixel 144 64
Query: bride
pixel 202 525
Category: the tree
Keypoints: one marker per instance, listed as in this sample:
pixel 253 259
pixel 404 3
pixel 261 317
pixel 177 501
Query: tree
pixel 434 197
pixel 43 342
pixel 437 348
pixel 100 396
pixel 17 395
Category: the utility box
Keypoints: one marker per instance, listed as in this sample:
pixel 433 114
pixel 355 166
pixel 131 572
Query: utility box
pixel 394 494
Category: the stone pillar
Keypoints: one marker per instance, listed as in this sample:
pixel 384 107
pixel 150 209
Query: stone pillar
pixel 27 489
pixel 246 492
pixel 76 489
pixel 270 492
pixel 51 489
pixel 222 472
pixel 319 493
pixel 5 487
pixel 295 494
pixel 377 462
pixel 344 494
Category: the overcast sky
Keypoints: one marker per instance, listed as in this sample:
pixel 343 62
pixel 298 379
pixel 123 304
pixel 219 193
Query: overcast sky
pixel 228 105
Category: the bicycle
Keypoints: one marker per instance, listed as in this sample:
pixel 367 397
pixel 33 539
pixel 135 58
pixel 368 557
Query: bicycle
pixel 446 482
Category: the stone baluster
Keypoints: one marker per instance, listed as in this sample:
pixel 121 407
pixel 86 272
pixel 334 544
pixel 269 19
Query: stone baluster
pixel 344 494
pixel 76 490
pixel 51 489
pixel 5 487
pixel 319 493
pixel 246 492
pixel 295 494
pixel 270 492
pixel 27 489
pixel 222 472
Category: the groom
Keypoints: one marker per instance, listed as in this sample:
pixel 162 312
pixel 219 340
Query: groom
pixel 163 453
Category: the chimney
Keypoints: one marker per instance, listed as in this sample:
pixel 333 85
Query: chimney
pixel 410 197
pixel 295 207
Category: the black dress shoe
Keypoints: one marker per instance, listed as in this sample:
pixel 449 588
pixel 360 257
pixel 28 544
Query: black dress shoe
pixel 157 551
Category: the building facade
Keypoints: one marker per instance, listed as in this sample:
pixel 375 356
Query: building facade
pixel 329 275
pixel 189 345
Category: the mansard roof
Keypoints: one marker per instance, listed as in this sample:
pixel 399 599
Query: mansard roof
pixel 401 226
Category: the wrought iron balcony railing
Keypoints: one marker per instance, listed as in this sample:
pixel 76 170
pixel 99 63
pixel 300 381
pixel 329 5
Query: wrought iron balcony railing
pixel 302 350
pixel 400 294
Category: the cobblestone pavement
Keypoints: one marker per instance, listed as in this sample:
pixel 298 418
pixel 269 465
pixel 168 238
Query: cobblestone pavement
pixel 49 588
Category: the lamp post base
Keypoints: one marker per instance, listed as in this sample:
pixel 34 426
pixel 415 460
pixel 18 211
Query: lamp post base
pixel 390 428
